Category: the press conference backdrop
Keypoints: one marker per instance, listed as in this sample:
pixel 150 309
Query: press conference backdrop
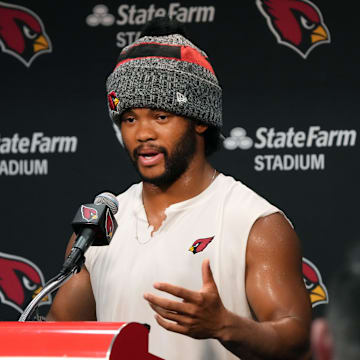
pixel 290 77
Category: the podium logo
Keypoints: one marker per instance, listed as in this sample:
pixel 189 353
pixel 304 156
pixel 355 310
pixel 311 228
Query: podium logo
pixel 22 33
pixel 297 24
pixel 21 280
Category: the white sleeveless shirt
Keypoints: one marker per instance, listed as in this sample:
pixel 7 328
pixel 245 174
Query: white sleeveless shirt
pixel 126 269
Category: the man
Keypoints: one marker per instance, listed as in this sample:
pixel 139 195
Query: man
pixel 337 335
pixel 197 255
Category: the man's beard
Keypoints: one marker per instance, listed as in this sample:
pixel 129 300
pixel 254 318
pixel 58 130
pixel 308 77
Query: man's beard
pixel 175 164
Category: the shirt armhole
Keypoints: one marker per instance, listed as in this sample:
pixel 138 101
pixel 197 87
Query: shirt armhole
pixel 273 211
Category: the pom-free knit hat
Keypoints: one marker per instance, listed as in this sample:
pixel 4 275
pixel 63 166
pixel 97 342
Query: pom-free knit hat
pixel 164 70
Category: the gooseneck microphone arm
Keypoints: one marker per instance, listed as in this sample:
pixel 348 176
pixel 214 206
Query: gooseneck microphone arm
pixel 52 285
pixel 95 225
pixel 76 257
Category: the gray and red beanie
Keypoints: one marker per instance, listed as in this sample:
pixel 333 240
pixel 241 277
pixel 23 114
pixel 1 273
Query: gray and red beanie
pixel 164 70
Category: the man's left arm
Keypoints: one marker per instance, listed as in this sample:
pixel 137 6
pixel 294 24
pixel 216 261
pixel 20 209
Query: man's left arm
pixel 275 292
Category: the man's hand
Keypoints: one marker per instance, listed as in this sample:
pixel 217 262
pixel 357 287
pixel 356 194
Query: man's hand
pixel 201 314
pixel 274 288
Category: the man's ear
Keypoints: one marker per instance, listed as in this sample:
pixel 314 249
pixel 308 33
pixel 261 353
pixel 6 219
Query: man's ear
pixel 200 128
pixel 321 340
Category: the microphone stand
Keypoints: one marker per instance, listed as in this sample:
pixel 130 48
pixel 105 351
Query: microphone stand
pixel 50 287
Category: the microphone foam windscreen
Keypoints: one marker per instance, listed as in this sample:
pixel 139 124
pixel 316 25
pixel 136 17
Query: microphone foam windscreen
pixel 109 200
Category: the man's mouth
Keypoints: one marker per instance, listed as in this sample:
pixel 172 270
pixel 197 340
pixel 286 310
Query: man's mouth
pixel 149 157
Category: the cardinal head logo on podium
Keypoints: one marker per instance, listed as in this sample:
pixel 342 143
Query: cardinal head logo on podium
pixel 20 281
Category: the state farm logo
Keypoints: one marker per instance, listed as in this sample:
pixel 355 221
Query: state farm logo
pixel 270 138
pixel 22 33
pixel 297 24
pixel 28 146
pixel 238 139
pixel 131 14
pixel 100 16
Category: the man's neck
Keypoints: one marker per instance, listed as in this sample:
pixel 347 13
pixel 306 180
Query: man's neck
pixel 192 182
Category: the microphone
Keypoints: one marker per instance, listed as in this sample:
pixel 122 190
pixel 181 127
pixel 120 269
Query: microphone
pixel 94 224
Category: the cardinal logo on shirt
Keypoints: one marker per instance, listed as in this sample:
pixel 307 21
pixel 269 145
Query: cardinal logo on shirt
pixel 22 33
pixel 314 284
pixel 200 244
pixel 297 24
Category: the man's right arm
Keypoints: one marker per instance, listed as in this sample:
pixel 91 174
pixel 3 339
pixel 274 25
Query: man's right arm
pixel 74 301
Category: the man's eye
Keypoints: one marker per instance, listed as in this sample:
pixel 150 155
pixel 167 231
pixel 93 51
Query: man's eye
pixel 162 117
pixel 128 120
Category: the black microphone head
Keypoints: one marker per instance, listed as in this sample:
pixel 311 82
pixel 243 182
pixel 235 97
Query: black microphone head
pixel 109 200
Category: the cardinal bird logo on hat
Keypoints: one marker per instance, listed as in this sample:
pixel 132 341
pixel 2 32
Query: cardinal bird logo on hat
pixel 314 284
pixel 20 281
pixel 297 24
pixel 22 33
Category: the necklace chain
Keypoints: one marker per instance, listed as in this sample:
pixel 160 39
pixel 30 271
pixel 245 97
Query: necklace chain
pixel 213 177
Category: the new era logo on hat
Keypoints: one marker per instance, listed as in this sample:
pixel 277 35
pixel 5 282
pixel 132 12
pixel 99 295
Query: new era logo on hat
pixel 181 99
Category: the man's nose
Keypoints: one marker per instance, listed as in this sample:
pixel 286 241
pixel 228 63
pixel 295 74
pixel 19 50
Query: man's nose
pixel 145 131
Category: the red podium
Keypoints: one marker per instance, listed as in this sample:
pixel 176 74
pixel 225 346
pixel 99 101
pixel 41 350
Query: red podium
pixel 80 340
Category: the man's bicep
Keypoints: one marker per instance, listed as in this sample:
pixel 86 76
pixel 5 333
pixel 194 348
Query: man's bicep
pixel 74 300
pixel 274 282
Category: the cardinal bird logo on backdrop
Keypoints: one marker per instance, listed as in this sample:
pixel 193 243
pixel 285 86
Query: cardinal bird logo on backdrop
pixel 20 281
pixel 297 24
pixel 314 284
pixel 22 33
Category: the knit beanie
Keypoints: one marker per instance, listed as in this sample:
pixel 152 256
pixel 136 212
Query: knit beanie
pixel 164 70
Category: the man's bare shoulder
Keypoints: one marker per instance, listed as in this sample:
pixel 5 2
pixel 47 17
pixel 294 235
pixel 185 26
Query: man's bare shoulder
pixel 275 234
pixel 274 281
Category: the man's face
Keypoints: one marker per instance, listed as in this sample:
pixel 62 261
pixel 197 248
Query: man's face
pixel 160 144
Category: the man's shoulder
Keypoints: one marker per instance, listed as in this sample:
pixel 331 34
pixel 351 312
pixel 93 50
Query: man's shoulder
pixel 242 201
pixel 237 191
